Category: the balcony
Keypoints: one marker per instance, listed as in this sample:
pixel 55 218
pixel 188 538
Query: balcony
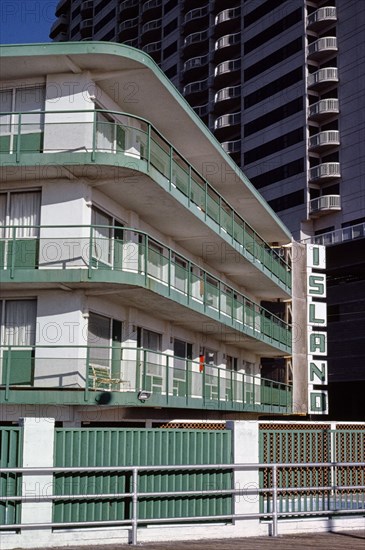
pixel 226 94
pixel 196 87
pixel 338 236
pixel 202 110
pixel 322 47
pixel 153 47
pixel 62 7
pixel 196 18
pixel 232 147
pixel 227 71
pixel 227 15
pixel 229 44
pixel 321 18
pixel 150 271
pixel 323 109
pixel 170 380
pixel 151 7
pixel 133 43
pixel 128 26
pixel 228 20
pixel 113 139
pixel 196 63
pixel 324 205
pixel 232 119
pixel 151 30
pixel 59 26
pixel 322 78
pixel 128 5
pixel 324 140
pixel 195 41
pixel 86 8
pixel 325 171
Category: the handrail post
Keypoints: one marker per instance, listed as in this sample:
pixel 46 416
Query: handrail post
pixel 145 260
pixel 87 375
pixel 89 273
pixel 170 171
pixel 189 186
pixel 274 502
pixel 13 248
pixel 167 367
pixel 148 147
pixel 7 379
pixel 134 506
pixel 206 200
pixel 94 136
pixel 17 156
pixel 169 277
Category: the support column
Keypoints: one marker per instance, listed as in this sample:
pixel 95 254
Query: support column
pixel 246 450
pixel 38 450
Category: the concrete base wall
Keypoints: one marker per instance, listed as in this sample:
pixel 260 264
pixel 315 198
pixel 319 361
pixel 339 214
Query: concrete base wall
pixel 115 535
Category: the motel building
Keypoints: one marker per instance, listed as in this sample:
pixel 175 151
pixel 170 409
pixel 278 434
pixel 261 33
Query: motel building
pixel 146 286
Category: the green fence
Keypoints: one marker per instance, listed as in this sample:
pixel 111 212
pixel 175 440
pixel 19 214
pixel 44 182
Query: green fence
pixel 10 483
pixel 308 443
pixel 89 447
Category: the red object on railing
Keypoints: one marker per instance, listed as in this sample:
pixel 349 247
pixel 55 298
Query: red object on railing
pixel 201 362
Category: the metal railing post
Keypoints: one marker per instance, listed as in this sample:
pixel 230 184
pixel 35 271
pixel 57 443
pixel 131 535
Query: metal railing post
pixel 274 501
pixel 134 506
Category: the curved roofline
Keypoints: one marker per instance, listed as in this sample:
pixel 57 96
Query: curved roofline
pixel 121 50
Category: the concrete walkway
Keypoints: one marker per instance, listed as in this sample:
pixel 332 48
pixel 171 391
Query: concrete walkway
pixel 350 540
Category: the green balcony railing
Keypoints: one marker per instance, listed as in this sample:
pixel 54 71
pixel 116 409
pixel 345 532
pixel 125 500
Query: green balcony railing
pixel 135 253
pixel 97 131
pixel 171 380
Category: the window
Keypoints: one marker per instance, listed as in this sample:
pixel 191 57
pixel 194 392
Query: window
pixel 274 146
pixel 183 352
pixel 169 50
pixel 262 10
pixel 101 236
pixel 30 102
pixel 231 363
pixel 277 174
pixel 18 330
pixel 20 210
pixel 274 58
pixel 171 71
pixel 107 239
pixel 148 339
pixel 170 27
pixel 98 340
pixel 287 201
pixel 276 115
pixel 273 31
pixel 273 87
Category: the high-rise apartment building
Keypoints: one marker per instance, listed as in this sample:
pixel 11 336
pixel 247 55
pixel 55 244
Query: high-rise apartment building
pixel 277 82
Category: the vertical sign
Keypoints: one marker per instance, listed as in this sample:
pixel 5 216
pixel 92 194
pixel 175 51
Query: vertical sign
pixel 317 336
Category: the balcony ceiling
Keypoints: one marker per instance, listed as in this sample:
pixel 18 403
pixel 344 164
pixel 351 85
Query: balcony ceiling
pixel 114 65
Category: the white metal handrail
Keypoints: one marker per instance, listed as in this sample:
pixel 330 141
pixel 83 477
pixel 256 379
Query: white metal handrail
pixel 135 494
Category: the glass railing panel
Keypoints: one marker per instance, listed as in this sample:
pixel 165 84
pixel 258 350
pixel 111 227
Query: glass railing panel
pixel 123 249
pixel 180 176
pixel 197 194
pixel 213 208
pixel 100 368
pixel 114 132
pixel 159 158
pixel 179 277
pixel 212 295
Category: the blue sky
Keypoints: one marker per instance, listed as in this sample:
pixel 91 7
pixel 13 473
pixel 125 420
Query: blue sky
pixel 26 21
